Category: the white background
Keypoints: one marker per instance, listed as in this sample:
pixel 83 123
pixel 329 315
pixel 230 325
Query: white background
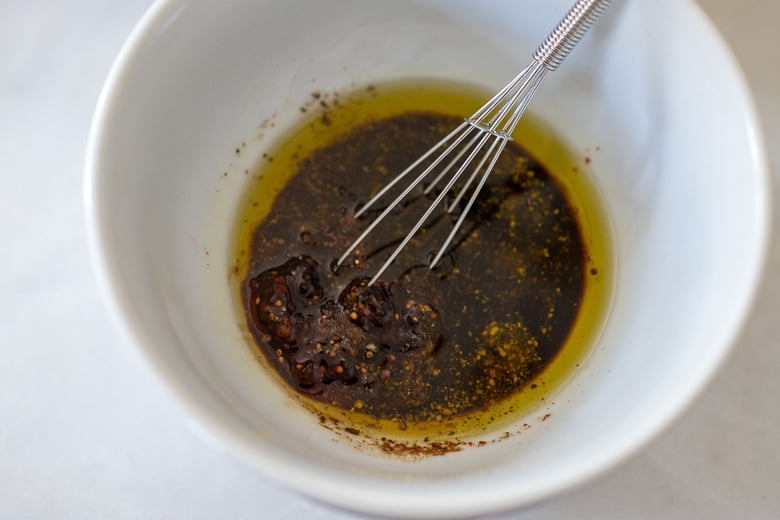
pixel 85 432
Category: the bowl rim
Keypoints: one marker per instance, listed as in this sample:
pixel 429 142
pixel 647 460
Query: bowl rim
pixel 263 459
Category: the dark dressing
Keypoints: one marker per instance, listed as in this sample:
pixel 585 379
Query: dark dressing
pixel 419 345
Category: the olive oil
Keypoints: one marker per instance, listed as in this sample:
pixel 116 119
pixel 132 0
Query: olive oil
pixel 326 118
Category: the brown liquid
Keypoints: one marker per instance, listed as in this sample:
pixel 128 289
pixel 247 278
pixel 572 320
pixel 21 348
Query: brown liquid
pixel 419 346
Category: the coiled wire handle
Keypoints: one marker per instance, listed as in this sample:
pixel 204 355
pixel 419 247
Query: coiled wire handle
pixel 569 31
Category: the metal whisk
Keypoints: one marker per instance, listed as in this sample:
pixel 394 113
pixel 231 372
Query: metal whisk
pixel 485 133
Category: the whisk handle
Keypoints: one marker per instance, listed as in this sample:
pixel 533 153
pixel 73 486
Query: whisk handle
pixel 569 31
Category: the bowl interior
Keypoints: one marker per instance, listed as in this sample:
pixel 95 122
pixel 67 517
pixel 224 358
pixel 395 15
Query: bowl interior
pixel 202 88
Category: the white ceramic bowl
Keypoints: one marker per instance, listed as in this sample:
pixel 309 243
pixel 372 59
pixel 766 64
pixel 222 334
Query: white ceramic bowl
pixel 653 92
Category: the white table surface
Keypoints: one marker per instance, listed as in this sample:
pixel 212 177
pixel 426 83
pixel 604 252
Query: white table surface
pixel 86 432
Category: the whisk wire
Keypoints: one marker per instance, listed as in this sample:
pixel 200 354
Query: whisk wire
pixel 501 142
pixel 530 85
pixel 495 121
pixel 439 198
pixel 410 169
pixel 452 163
pixel 462 217
pixel 404 193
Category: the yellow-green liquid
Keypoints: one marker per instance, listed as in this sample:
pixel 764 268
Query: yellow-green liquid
pixel 325 117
